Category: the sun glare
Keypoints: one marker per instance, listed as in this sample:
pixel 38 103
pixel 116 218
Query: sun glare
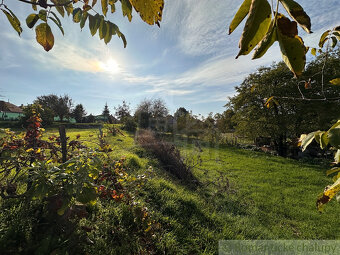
pixel 110 66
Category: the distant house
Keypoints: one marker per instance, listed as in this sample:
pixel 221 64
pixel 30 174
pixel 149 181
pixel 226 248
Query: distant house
pixel 9 111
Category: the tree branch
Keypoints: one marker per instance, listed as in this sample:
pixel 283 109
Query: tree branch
pixel 49 5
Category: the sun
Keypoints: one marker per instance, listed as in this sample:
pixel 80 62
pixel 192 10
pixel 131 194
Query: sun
pixel 110 66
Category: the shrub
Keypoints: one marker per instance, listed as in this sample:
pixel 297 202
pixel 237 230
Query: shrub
pixel 46 115
pixel 167 153
pixel 45 201
pixel 129 124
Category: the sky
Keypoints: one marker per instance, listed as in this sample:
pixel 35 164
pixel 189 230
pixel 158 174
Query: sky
pixel 188 62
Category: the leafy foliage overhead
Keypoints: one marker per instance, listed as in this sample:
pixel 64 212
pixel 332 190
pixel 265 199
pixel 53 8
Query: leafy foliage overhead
pixel 149 10
pixel 262 31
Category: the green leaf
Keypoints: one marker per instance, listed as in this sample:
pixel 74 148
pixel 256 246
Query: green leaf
pixel 104 7
pixel 94 22
pixel 333 170
pixel 307 139
pixel 122 36
pixel 334 137
pixel 335 81
pixel 266 42
pixel 32 19
pixel 44 36
pixel 323 38
pixel 15 23
pixel 77 14
pixel 336 125
pixel 65 205
pixel 16 20
pixel 337 157
pixel 291 45
pixel 102 28
pixel 298 14
pixel 60 9
pixel 57 23
pixel 127 9
pixel 43 15
pixel 240 15
pixel 94 2
pixel 56 17
pixel 150 11
pixel 34 7
pixel 256 27
pixel 83 20
pixel 322 139
pixel 334 41
pixel 87 195
pixel 109 32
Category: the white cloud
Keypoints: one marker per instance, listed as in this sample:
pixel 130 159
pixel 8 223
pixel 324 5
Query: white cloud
pixel 200 26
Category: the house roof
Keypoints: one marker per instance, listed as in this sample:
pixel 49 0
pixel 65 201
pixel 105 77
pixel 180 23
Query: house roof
pixel 8 107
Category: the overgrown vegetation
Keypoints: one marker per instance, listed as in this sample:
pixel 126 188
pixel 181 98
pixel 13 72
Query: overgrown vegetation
pixel 167 153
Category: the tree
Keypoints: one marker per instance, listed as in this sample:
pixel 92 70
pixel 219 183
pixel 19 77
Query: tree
pixel 151 113
pixel 123 111
pixel 224 121
pixel 159 109
pixel 267 102
pixel 79 113
pixel 61 106
pixel 180 112
pixel 106 112
pixel 90 119
pixel 143 113
pixel 46 10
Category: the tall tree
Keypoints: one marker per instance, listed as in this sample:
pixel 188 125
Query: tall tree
pixel 79 113
pixel 224 121
pixel 268 102
pixel 150 109
pixel 106 112
pixel 61 106
pixel 180 112
pixel 123 111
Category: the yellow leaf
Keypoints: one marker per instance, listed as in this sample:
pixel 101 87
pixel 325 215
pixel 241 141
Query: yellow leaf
pixel 328 194
pixel 149 10
pixel 266 42
pixel 44 36
pixel 335 81
pixel 256 26
pixel 292 46
pixel 240 15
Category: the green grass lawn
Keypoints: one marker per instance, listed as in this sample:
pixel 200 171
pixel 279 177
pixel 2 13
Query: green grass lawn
pixel 267 197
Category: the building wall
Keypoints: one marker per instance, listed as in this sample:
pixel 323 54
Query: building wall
pixel 10 115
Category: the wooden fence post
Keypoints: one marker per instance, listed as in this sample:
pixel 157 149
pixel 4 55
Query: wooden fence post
pixel 62 133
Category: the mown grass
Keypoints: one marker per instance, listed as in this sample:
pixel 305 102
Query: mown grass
pixel 267 197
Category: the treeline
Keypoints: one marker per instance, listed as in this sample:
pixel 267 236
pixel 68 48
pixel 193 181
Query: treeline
pixel 149 114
